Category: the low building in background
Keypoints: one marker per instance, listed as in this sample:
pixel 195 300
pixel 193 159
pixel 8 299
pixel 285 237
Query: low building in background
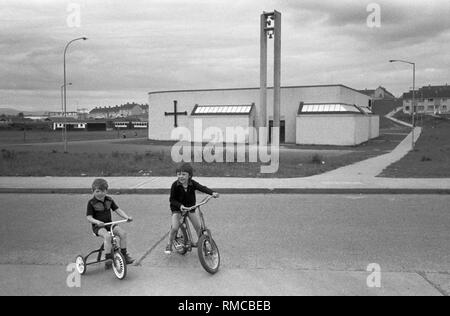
pixel 122 111
pixel 379 93
pixel 428 99
pixel 208 112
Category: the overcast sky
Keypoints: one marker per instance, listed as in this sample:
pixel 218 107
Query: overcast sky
pixel 136 46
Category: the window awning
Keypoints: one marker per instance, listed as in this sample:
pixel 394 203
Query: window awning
pixel 222 109
pixel 331 108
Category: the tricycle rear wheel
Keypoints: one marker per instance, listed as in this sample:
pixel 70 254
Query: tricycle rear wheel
pixel 80 264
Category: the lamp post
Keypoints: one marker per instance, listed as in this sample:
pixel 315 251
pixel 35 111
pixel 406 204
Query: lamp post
pixel 62 106
pixel 413 111
pixel 64 87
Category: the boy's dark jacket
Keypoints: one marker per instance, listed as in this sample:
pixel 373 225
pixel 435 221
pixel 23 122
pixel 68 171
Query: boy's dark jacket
pixel 178 196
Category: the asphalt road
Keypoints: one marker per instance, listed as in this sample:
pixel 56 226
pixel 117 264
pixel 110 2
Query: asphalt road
pixel 269 245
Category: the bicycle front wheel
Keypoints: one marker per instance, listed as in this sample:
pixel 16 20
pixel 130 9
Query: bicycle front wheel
pixel 208 253
pixel 119 265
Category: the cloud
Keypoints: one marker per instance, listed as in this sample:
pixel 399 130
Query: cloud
pixel 402 22
pixel 140 45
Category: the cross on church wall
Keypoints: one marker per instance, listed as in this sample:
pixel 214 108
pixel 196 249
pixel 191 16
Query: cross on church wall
pixel 175 113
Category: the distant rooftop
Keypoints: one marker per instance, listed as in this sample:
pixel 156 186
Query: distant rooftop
pixel 427 92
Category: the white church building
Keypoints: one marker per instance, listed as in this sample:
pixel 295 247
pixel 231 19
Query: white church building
pixel 314 115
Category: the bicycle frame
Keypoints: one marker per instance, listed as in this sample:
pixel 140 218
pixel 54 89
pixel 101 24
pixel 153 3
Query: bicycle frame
pixel 203 228
pixel 102 247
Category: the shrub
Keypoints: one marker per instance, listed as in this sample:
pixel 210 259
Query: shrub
pixel 317 159
pixel 138 157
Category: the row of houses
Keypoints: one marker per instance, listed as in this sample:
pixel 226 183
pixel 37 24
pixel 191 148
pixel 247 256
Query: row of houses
pixel 126 116
pixel 98 124
pixel 428 99
pixel 125 110
pixel 72 123
pixel 105 112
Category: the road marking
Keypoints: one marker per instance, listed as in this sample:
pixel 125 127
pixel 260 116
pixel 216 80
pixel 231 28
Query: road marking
pixel 437 287
pixel 138 262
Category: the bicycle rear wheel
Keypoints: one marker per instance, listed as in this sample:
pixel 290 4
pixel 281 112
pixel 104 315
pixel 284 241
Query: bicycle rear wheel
pixel 208 253
pixel 181 240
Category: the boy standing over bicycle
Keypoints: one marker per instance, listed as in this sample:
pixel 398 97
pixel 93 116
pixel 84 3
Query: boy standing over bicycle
pixel 99 212
pixel 182 196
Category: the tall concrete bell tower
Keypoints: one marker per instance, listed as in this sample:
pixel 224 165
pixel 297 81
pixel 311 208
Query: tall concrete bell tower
pixel 270 28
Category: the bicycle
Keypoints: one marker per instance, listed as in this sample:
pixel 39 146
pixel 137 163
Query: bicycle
pixel 119 265
pixel 208 253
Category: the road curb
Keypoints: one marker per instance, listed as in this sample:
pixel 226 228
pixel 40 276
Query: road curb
pixel 425 191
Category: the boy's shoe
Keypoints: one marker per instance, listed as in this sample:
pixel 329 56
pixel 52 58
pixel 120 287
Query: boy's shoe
pixel 178 245
pixel 128 259
pixel 108 264
pixel 168 249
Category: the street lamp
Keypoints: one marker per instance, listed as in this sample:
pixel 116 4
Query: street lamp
pixel 413 111
pixel 65 96
pixel 62 106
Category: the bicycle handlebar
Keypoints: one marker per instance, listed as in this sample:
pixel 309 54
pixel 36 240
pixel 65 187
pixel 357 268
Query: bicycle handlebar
pixel 205 200
pixel 116 222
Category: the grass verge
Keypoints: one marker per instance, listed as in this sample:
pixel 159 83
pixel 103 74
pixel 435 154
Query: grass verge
pixel 153 158
pixel 431 155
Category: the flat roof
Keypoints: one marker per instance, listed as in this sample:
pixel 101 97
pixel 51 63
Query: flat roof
pixel 241 89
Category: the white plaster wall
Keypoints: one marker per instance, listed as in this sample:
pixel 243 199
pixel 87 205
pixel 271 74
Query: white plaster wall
pixel 362 128
pixel 161 126
pixel 290 100
pixel 352 97
pixel 329 129
pixel 214 128
pixel 374 126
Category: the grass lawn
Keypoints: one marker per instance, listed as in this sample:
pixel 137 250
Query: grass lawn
pixel 431 156
pixel 49 136
pixel 141 157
